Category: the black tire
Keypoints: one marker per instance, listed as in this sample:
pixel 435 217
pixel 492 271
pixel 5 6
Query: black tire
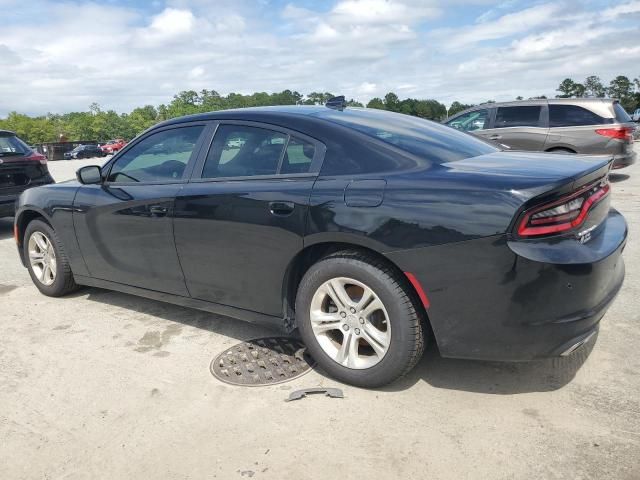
pixel 560 150
pixel 64 282
pixel 403 307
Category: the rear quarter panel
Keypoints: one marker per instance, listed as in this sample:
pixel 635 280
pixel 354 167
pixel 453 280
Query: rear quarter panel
pixel 584 140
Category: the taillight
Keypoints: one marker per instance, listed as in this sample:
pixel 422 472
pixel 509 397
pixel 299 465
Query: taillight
pixel 618 133
pixel 37 157
pixel 564 214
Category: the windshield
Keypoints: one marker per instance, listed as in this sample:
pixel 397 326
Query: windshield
pixel 12 145
pixel 423 138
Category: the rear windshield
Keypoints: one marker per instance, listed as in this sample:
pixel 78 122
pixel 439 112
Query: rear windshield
pixel 12 145
pixel 621 114
pixel 425 139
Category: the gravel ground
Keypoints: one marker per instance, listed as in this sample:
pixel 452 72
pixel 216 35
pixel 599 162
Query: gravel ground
pixel 107 385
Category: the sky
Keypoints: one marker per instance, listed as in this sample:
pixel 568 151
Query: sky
pixel 61 56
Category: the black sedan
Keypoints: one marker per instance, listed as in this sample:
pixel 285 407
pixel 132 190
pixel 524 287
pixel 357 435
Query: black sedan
pixel 84 151
pixel 368 231
pixel 21 167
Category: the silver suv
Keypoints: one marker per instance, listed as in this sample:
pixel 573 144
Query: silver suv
pixel 575 125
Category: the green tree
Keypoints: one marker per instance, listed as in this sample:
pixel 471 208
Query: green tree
pixel 622 89
pixel 568 88
pixel 377 103
pixel 391 102
pixel 457 107
pixel 593 87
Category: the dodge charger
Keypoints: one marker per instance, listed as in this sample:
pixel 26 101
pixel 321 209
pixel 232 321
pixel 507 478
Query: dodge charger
pixel 368 232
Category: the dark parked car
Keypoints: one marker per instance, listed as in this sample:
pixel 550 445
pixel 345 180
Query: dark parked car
pixel 367 230
pixel 597 126
pixel 84 151
pixel 20 168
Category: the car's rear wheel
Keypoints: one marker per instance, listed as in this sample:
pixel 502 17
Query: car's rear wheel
pixel 46 260
pixel 359 319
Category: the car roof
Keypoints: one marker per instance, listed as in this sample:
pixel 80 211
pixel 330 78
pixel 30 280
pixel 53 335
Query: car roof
pixel 317 121
pixel 598 105
pixel 306 117
pixel 283 112
pixel 7 132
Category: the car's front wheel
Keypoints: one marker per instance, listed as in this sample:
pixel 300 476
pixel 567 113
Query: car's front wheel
pixel 359 319
pixel 46 260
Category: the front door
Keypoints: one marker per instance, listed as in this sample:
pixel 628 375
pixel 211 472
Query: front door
pixel 240 221
pixel 124 226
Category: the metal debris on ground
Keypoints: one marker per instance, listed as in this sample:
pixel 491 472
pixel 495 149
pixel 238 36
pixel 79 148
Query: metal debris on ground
pixel 329 392
pixel 263 361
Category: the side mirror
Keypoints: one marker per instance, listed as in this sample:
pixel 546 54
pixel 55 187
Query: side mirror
pixel 89 175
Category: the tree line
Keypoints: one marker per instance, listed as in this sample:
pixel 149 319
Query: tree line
pixel 101 125
pixel 621 87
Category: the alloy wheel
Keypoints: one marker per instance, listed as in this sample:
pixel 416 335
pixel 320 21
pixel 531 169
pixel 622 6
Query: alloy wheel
pixel 350 323
pixel 42 258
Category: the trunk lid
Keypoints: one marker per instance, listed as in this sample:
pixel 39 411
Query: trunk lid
pixel 529 174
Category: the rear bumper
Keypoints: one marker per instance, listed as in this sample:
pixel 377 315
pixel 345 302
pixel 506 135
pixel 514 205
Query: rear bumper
pixel 494 299
pixel 8 202
pixel 7 205
pixel 625 160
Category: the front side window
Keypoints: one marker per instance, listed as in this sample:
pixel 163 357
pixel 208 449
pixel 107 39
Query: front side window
pixel 572 115
pixel 160 157
pixel 521 116
pixel 241 151
pixel 476 120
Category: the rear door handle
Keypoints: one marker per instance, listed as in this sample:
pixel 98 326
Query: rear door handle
pixel 281 209
pixel 158 210
pixel 495 137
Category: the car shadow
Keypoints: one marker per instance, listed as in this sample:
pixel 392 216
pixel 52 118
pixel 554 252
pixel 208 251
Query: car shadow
pixel 618 177
pixel 496 378
pixel 6 228
pixel 211 322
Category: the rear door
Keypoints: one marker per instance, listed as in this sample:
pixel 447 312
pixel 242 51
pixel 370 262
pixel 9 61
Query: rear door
pixel 520 127
pixel 574 127
pixel 241 219
pixel 124 225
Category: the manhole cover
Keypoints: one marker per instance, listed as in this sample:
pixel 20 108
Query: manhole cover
pixel 263 361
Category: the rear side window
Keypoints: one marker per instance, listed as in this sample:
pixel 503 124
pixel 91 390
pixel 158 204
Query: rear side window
pixel 426 140
pixel 12 145
pixel 241 151
pixel 621 114
pixel 520 116
pixel 298 156
pixel 572 115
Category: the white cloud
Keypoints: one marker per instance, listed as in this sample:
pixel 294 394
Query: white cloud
pixel 359 48
pixel 505 26
pixel 383 11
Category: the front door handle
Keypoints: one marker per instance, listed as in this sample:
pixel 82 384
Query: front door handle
pixel 281 209
pixel 158 210
pixel 495 137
